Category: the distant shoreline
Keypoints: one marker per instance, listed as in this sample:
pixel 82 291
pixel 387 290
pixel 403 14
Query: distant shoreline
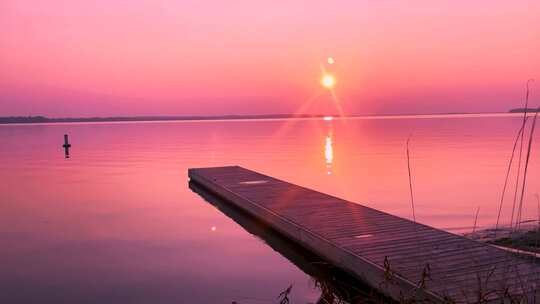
pixel 521 110
pixel 44 119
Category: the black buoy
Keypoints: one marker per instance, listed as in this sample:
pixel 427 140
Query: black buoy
pixel 66 145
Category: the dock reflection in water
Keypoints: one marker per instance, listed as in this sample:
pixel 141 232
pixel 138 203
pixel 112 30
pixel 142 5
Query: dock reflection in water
pixel 336 286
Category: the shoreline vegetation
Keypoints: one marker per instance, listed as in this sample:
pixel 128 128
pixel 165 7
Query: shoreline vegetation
pixel 522 110
pixel 43 119
pixel 526 239
pixel 520 236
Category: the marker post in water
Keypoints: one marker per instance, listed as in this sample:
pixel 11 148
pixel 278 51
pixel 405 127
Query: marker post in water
pixel 66 145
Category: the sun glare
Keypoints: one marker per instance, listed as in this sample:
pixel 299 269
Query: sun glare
pixel 328 81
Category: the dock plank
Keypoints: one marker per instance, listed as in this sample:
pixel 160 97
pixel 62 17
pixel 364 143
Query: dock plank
pixel 388 252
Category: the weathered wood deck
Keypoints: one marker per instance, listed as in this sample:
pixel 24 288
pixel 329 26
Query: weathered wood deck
pixel 401 258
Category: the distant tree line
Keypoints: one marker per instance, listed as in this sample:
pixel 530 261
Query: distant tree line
pixel 521 110
pixel 23 119
pixel 43 119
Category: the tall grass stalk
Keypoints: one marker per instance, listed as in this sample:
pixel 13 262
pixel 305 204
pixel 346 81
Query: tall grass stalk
pixel 531 136
pixel 538 226
pixel 476 219
pixel 410 179
pixel 520 153
pixel 506 179
pixel 538 205
pixel 412 192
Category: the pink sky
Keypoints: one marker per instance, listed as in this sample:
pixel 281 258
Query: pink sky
pixel 139 57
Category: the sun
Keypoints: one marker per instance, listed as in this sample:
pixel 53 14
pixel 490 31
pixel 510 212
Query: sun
pixel 328 81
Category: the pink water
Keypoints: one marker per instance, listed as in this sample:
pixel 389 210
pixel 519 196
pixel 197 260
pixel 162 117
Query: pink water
pixel 117 222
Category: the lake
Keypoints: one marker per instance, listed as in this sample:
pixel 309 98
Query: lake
pixel 117 221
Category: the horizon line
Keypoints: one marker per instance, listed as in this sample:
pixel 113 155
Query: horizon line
pixel 39 119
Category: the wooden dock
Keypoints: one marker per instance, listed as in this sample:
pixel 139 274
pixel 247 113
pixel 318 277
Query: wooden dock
pixel 402 259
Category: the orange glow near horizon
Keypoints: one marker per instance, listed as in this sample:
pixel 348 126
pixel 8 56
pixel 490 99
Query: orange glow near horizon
pixel 142 57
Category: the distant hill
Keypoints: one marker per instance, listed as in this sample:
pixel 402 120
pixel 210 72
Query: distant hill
pixel 43 119
pixel 521 110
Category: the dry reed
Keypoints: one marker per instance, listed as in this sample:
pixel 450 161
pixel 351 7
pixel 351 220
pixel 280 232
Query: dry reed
pixel 508 169
pixel 531 136
pixel 476 219
pixel 520 152
pixel 410 178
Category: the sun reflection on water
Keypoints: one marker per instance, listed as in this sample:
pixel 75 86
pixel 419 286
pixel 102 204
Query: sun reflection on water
pixel 328 153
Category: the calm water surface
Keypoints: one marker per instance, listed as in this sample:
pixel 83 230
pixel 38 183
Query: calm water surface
pixel 117 221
